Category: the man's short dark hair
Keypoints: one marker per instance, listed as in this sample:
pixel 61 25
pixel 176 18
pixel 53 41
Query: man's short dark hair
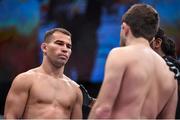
pixel 143 20
pixel 50 32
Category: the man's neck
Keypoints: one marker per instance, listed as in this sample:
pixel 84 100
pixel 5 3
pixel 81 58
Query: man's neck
pixel 51 70
pixel 160 52
pixel 134 41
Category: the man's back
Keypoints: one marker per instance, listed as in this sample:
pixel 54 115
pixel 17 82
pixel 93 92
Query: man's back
pixel 137 82
pixel 146 87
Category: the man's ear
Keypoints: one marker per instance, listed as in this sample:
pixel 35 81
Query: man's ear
pixel 125 28
pixel 44 47
pixel 158 43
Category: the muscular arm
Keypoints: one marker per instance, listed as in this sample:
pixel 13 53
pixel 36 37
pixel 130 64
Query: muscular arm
pixel 77 108
pixel 169 110
pixel 17 98
pixel 114 71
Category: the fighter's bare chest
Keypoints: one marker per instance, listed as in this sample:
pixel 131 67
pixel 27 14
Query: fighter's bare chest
pixel 52 92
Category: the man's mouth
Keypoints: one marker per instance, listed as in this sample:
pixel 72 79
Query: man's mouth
pixel 63 57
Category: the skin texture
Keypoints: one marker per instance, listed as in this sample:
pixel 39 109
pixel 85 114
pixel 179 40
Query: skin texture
pixel 156 45
pixel 137 82
pixel 45 92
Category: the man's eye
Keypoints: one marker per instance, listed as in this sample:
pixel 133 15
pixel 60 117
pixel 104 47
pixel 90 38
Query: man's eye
pixel 69 46
pixel 59 43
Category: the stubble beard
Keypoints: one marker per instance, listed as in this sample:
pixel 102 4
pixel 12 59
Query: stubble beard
pixel 57 63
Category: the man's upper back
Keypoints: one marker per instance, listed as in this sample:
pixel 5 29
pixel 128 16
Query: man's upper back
pixel 147 85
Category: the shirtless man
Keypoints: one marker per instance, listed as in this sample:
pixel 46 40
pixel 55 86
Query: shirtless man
pixel 137 82
pixel 45 92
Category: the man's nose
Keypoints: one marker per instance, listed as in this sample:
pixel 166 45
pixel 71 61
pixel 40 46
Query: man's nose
pixel 64 48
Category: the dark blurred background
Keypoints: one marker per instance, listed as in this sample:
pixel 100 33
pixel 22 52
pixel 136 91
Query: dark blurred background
pixel 95 28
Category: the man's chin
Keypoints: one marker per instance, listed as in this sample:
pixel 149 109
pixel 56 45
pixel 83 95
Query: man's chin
pixel 60 64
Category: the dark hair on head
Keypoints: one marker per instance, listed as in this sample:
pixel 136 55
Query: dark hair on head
pixel 167 45
pixel 143 20
pixel 160 34
pixel 50 32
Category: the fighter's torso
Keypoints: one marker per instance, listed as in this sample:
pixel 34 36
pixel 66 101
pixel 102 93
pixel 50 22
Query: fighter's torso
pixel 50 97
pixel 146 86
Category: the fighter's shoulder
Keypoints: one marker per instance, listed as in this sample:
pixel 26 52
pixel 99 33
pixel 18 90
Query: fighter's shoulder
pixel 119 53
pixel 23 75
pixel 73 83
pixel 29 74
pixel 117 49
pixel 23 79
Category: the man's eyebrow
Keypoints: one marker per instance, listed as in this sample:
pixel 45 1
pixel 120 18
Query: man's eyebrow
pixel 58 40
